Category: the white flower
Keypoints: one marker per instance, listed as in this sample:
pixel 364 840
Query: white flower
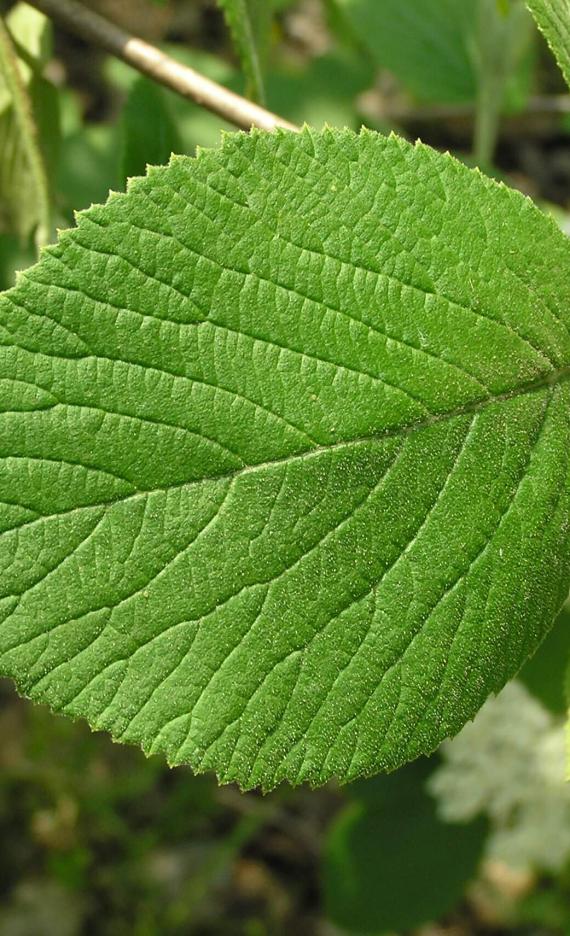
pixel 509 764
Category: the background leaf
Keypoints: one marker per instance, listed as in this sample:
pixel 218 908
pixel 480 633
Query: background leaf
pixel 286 452
pixel 249 22
pixel 553 18
pixel 390 863
pixel 500 52
pixel 441 49
pixel 426 43
pixel 544 674
pixel 149 131
pixel 20 202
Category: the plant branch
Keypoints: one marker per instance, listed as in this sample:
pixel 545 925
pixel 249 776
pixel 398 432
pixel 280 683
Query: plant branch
pixel 149 60
pixel 23 112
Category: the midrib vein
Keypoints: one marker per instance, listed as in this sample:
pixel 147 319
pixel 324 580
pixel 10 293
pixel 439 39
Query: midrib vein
pixel 550 380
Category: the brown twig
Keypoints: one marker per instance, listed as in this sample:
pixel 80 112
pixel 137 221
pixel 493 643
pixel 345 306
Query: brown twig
pixel 162 68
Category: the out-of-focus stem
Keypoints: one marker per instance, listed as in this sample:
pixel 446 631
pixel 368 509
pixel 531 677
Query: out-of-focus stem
pixel 160 67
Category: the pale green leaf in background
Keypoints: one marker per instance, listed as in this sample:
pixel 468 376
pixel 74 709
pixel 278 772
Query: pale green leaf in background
pixel 149 132
pixel 286 442
pixel 25 194
pixel 249 22
pixel 553 18
pixel 452 51
pixel 430 45
pixel 32 33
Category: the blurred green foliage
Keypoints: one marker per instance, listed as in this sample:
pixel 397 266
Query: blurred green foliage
pixel 150 134
pixel 390 863
pixel 21 203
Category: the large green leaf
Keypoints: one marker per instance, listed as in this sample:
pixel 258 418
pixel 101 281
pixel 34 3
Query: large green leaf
pixel 553 18
pixel 286 441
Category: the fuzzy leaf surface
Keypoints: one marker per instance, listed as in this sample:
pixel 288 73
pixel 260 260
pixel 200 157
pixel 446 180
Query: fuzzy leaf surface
pixel 285 445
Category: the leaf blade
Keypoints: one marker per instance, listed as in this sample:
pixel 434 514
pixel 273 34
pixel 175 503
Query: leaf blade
pixel 260 427
pixel 427 44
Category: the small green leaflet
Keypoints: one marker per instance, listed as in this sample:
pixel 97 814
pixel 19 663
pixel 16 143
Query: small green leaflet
pixel 249 22
pixel 553 18
pixel 24 194
pixel 286 436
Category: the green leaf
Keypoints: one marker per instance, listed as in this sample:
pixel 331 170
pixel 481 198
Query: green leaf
pixel 149 132
pixel 249 22
pixel 194 125
pixel 13 257
pixel 553 19
pixel 88 165
pixel 286 441
pixel 391 864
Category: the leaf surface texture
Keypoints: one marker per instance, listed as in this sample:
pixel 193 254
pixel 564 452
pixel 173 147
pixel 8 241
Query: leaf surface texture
pixel 285 442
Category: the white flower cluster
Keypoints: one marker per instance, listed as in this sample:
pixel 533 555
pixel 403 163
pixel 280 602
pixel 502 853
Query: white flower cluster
pixel 509 764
